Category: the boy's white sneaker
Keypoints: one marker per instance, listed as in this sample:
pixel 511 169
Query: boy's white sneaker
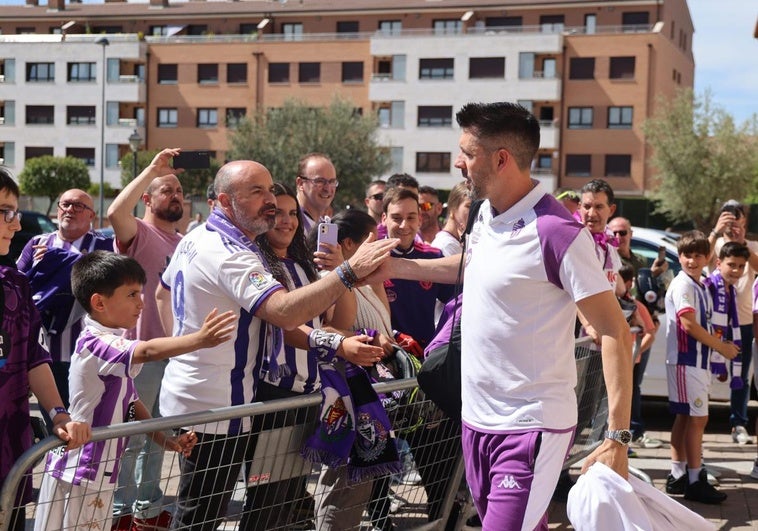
pixel 740 435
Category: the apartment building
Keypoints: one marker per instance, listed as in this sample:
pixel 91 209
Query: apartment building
pixel 184 73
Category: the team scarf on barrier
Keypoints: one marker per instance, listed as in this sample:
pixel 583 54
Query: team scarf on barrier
pixel 725 324
pixel 218 222
pixel 353 427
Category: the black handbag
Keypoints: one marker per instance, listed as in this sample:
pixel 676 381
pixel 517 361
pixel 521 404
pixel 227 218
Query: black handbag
pixel 440 374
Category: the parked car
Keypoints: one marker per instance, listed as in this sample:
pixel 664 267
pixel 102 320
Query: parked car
pixel 645 242
pixel 32 223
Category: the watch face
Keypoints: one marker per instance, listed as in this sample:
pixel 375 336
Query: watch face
pixel 624 436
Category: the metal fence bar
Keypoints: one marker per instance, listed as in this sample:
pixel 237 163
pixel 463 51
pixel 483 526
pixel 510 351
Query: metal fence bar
pixel 277 481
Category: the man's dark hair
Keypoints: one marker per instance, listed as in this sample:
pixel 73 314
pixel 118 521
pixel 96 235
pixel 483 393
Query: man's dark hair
pixel 395 195
pixel 693 241
pixel 402 179
pixel 734 249
pixel 7 182
pixel 599 185
pixel 734 208
pixel 351 223
pixel 374 183
pixel 626 272
pixel 429 190
pixel 503 125
pixel 210 192
pixel 103 272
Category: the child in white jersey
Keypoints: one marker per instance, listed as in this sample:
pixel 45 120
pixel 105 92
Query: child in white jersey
pixel 77 489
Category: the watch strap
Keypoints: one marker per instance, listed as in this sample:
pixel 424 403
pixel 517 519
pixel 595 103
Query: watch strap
pixel 57 411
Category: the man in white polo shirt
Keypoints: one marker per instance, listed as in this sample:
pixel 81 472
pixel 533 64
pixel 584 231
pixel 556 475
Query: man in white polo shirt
pixel 526 273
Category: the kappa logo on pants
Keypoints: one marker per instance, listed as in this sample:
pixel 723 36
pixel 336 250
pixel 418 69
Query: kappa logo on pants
pixel 509 482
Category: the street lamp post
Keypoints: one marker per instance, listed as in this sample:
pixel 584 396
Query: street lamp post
pixel 135 141
pixel 103 42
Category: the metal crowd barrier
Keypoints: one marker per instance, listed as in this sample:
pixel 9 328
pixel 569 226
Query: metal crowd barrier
pixel 277 489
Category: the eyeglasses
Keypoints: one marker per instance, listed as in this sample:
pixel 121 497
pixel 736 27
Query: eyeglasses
pixel 9 215
pixel 620 232
pixel 377 197
pixel 426 206
pixel 321 182
pixel 75 206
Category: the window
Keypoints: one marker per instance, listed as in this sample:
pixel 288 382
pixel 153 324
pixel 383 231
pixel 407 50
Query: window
pixel 548 68
pixel 309 72
pixel 80 115
pixel 432 162
pixel 158 31
pixel 40 114
pixel 292 31
pixel 580 118
pixel 435 116
pixel 544 163
pixel 447 26
pixel 503 22
pixel 21 30
pixel 635 20
pixel 551 23
pixel 40 72
pixel 234 116
pixel 236 73
pixel 34 152
pixel 590 24
pixel 436 68
pixel 197 29
pixel 384 115
pixel 8 153
pixel 618 165
pixel 578 165
pixel 167 117
pixel 352 72
pixel 107 29
pixel 279 73
pixel 246 29
pixel 619 117
pixel 86 154
pixel 167 74
pixel 348 26
pixel 547 114
pixel 486 68
pixel 207 73
pixel 207 117
pixel 81 72
pixel 582 68
pixel 390 27
pixel 622 68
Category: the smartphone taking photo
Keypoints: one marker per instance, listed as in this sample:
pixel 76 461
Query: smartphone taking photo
pixel 193 160
pixel 327 233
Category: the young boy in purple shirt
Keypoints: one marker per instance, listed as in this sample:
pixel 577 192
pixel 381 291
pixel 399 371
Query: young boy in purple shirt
pixel 24 364
pixel 77 489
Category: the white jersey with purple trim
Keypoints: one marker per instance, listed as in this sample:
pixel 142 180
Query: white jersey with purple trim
pixel 686 295
pixel 102 393
pixel 755 296
pixel 209 270
pixel 525 270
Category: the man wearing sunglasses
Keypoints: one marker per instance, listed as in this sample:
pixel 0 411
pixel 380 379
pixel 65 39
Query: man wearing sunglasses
pixel 46 261
pixel 430 209
pixel 374 197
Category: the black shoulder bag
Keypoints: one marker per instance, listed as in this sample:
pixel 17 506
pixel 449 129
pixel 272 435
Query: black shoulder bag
pixel 440 374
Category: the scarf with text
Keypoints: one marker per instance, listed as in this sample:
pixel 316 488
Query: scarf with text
pixel 725 325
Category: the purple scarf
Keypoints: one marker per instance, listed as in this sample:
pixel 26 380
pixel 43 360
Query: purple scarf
pixel 354 428
pixel 218 222
pixel 725 325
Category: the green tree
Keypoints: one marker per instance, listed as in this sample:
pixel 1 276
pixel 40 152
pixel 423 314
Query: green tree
pixel 702 158
pixel 194 182
pixel 50 176
pixel 277 138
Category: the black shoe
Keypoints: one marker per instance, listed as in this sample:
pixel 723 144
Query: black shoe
pixel 676 486
pixel 474 521
pixel 703 492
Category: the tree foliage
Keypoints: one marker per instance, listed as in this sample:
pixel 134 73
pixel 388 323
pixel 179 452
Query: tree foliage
pixel 49 176
pixel 701 157
pixel 277 138
pixel 194 182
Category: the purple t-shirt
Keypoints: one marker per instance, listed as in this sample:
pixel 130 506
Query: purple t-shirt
pixel 21 352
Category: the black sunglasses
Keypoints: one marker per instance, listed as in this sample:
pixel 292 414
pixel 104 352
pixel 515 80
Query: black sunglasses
pixel 620 232
pixel 377 197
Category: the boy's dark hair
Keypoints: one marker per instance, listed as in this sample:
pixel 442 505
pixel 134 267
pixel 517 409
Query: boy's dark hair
pixel 693 241
pixel 503 125
pixel 626 272
pixel 599 185
pixel 402 179
pixel 7 182
pixel 103 272
pixel 210 192
pixel 734 249
pixel 394 195
pixel 354 224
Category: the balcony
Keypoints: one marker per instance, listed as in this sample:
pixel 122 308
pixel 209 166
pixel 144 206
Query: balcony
pixel 127 122
pixel 129 79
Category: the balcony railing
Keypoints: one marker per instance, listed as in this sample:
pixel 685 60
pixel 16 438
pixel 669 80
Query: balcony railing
pixel 127 122
pixel 129 79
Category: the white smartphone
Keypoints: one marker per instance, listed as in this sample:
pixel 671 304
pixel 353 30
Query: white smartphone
pixel 327 233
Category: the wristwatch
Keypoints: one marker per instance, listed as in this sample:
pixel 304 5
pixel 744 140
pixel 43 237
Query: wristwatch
pixel 620 436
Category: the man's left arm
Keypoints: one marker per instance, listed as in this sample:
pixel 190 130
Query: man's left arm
pixel 604 314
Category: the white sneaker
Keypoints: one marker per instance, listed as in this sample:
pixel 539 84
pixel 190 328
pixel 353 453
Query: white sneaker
pixel 740 435
pixel 410 478
pixel 754 473
pixel 644 441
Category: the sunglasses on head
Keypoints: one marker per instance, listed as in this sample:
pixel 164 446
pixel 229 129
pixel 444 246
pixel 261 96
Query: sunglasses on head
pixel 377 197
pixel 426 206
pixel 620 232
